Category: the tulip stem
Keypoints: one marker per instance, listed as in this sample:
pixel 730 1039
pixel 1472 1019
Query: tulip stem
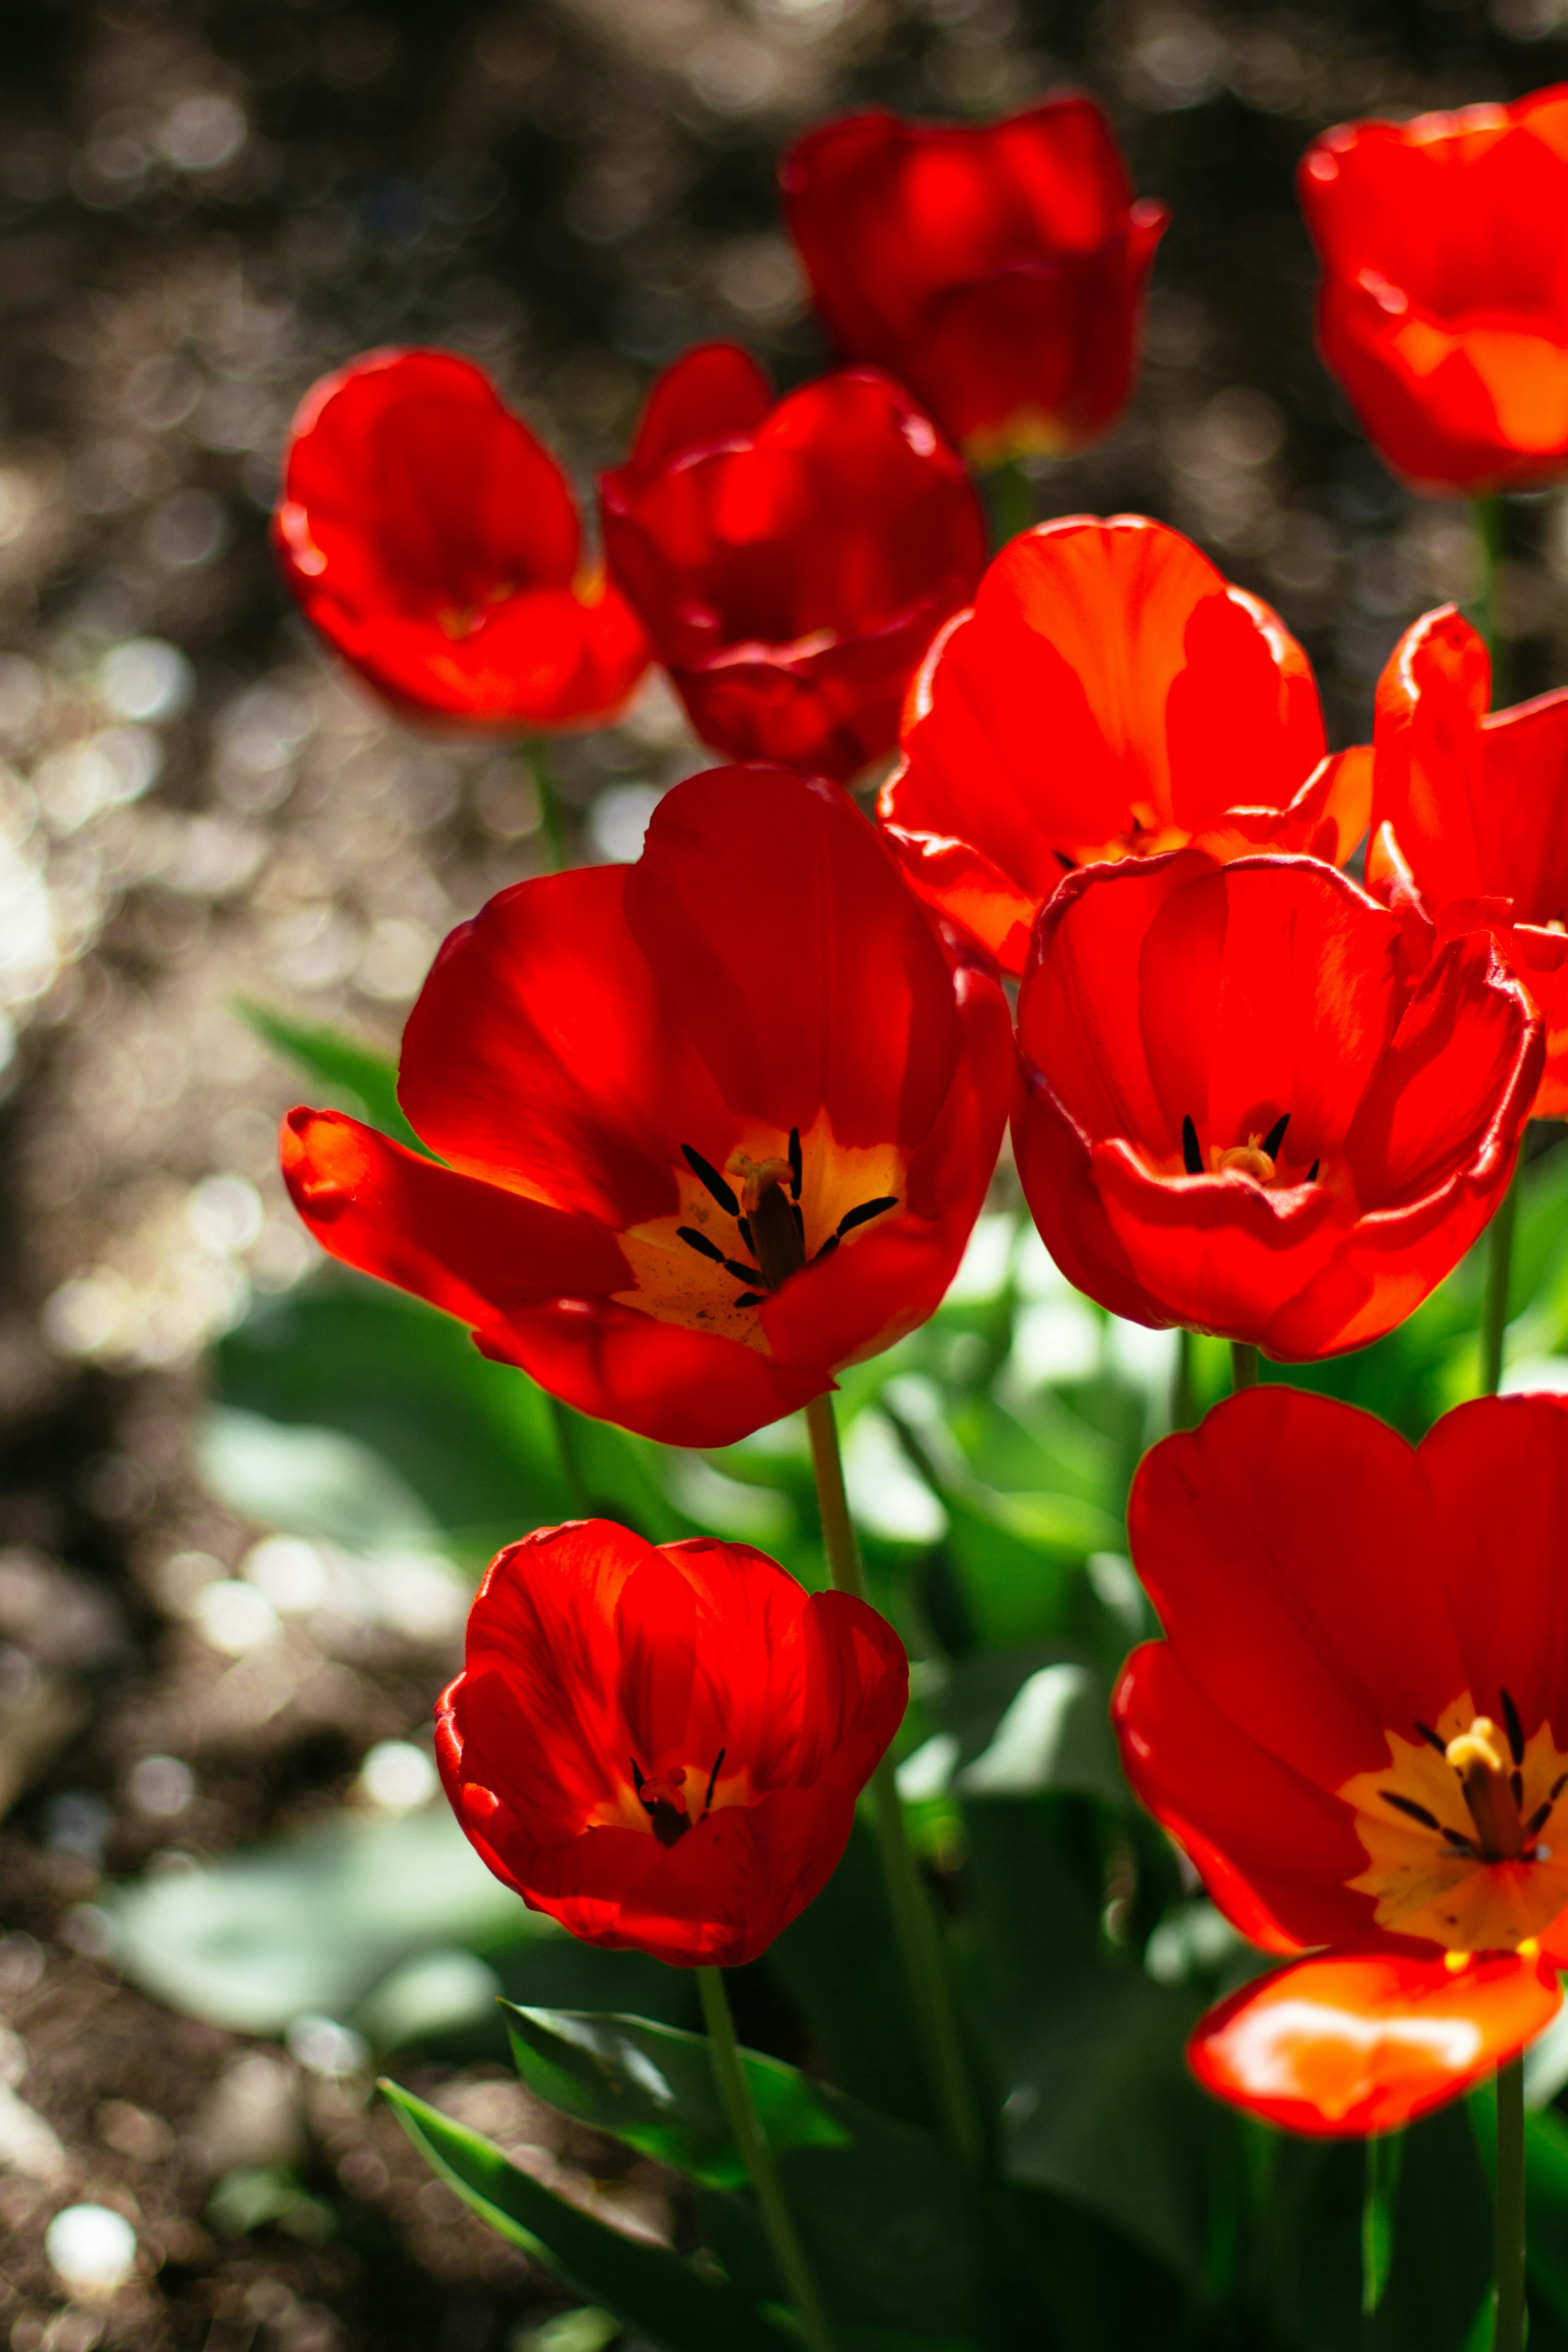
pixel 920 1947
pixel 1487 515
pixel 1385 2158
pixel 1243 1365
pixel 551 828
pixel 1508 2331
pixel 1012 502
pixel 1183 1382
pixel 740 2108
pixel 1499 1269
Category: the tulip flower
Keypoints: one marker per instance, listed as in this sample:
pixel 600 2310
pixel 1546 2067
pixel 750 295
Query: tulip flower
pixel 791 562
pixel 1359 1732
pixel 1444 307
pixel 1471 817
pixel 435 544
pixel 997 268
pixel 709 1126
pixel 1236 1111
pixel 662 1747
pixel 1109 695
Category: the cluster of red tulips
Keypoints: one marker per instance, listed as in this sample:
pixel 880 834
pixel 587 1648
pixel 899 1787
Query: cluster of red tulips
pixel 703 1130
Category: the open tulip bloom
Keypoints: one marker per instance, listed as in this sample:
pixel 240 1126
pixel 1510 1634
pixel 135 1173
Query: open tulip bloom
pixel 791 560
pixel 435 545
pixel 1471 817
pixel 1236 1112
pixel 1109 695
pixel 710 1126
pixel 997 267
pixel 1357 1725
pixel 1444 309
pixel 662 1748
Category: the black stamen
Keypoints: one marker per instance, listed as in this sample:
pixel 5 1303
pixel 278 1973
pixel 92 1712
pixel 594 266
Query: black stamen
pixel 1463 1844
pixel 799 1221
pixel 713 1781
pixel 699 1242
pixel 745 1225
pixel 637 1777
pixel 1558 1786
pixel 1514 1728
pixel 1276 1136
pixel 1191 1158
pixel 1068 865
pixel 706 1173
pixel 1538 1820
pixel 748 1298
pixel 1430 1736
pixel 743 1272
pixel 867 1210
pixel 1408 1805
pixel 829 1246
pixel 795 1162
pixel 1312 1172
pixel 1516 1789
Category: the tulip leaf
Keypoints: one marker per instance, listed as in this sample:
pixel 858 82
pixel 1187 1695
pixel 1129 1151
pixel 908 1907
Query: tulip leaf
pixel 655 2089
pixel 840 1964
pixel 886 2217
pixel 359 1079
pixel 1017 1721
pixel 310 1922
pixel 311 1482
pixel 477 1442
pixel 649 2289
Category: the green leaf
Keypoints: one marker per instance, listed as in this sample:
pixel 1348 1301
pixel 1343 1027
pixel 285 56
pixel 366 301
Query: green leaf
pixel 655 2089
pixel 311 1924
pixel 477 1442
pixel 1016 1722
pixel 840 1964
pixel 888 2221
pixel 311 1482
pixel 649 2289
pixel 360 1080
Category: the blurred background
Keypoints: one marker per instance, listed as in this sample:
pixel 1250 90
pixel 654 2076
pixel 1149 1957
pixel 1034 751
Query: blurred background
pixel 221 1628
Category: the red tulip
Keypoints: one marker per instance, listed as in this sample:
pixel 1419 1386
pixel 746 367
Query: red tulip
pixel 1471 817
pixel 713 1125
pixel 791 562
pixel 997 268
pixel 1359 1732
pixel 662 1748
pixel 435 544
pixel 1444 307
pixel 1109 696
pixel 1235 1113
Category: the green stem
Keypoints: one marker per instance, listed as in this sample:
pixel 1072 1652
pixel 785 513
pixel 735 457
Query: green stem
pixel 1011 501
pixel 1243 1365
pixel 1508 2333
pixel 1384 2158
pixel 1184 1383
pixel 920 1948
pixel 567 1448
pixel 1500 1267
pixel 1488 514
pixel 736 2093
pixel 550 825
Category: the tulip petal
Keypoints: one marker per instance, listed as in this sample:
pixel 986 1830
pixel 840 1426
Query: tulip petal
pixel 468 1247
pixel 434 543
pixel 801 968
pixel 1275 1849
pixel 1352 2043
pixel 1287 1545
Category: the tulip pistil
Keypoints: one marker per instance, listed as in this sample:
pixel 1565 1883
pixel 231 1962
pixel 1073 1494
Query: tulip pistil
pixel 664 1799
